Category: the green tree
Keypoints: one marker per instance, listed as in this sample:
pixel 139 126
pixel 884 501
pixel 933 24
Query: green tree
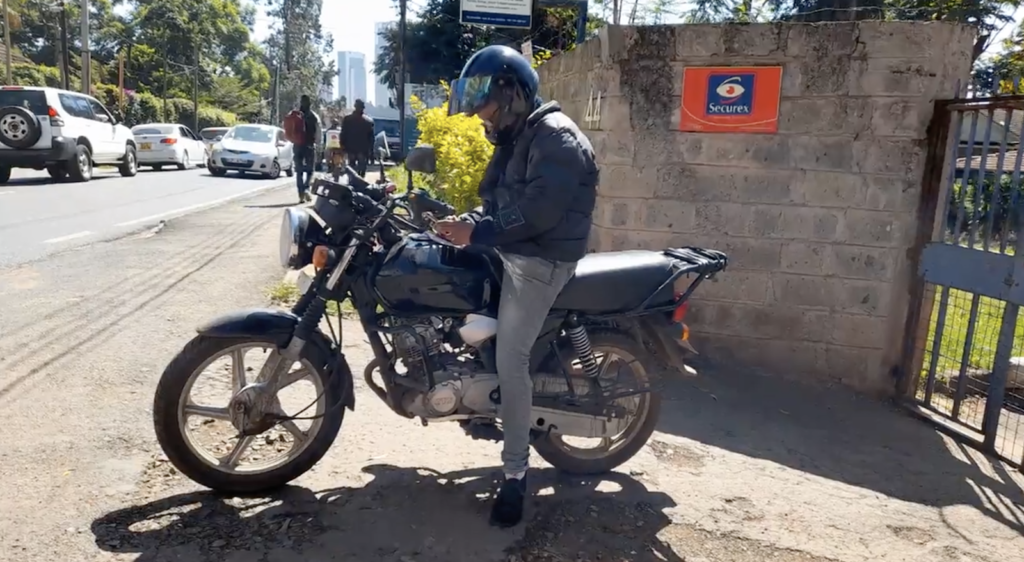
pixel 295 52
pixel 438 45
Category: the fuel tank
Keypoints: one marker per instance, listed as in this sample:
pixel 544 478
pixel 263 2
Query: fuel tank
pixel 421 276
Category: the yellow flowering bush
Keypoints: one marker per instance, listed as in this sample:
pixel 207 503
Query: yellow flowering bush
pixel 462 153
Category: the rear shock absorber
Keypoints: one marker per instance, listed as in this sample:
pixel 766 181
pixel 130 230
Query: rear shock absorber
pixel 581 343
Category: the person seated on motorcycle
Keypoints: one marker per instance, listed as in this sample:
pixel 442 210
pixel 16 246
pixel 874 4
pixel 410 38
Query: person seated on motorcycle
pixel 539 192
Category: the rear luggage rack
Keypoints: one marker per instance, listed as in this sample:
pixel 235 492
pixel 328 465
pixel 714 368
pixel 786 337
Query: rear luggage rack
pixel 703 262
pixel 699 260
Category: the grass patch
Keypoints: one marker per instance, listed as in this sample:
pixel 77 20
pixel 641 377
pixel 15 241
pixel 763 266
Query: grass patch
pixel 988 321
pixel 285 295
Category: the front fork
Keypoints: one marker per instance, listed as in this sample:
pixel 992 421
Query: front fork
pixel 253 406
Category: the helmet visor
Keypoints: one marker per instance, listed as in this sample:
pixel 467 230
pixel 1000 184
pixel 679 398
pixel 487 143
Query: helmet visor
pixel 469 95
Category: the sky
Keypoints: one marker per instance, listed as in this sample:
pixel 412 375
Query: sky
pixel 352 24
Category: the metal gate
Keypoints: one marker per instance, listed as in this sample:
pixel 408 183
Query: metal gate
pixel 964 355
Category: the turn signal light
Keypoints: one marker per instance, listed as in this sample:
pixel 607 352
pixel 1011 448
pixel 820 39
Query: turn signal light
pixel 686 333
pixel 320 255
pixel 169 141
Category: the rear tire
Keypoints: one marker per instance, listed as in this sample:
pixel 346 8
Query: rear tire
pixel 158 167
pixel 173 442
pixel 185 164
pixel 80 167
pixel 5 174
pixel 549 449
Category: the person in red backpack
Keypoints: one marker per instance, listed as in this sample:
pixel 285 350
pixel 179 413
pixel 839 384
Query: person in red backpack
pixel 302 126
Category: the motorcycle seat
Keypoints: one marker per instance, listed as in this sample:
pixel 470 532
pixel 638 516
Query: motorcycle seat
pixel 612 282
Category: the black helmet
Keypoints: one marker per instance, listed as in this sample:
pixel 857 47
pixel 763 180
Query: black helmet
pixel 503 76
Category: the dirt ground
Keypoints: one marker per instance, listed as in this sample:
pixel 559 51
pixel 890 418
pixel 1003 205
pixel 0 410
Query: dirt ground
pixel 743 468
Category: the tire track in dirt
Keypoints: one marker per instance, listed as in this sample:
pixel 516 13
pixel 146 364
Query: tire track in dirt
pixel 101 316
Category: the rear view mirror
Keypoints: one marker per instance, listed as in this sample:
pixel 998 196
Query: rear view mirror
pixel 422 159
pixel 218 138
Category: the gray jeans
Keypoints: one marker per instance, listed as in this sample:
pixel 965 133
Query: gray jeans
pixel 528 290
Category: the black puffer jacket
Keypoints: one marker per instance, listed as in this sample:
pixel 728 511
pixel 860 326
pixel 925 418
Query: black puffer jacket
pixel 539 193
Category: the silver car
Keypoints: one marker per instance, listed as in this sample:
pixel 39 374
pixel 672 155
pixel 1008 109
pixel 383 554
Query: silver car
pixel 260 149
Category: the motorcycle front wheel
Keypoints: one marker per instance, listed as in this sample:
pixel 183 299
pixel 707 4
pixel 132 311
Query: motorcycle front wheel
pixel 618 356
pixel 244 464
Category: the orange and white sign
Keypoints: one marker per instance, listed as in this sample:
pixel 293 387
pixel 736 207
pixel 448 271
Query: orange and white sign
pixel 731 99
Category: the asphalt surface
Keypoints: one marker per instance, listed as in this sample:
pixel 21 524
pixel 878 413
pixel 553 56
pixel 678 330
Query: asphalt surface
pixel 39 217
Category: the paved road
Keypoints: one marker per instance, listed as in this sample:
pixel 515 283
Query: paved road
pixel 38 216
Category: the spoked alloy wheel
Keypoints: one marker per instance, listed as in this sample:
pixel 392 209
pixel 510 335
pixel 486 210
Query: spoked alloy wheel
pixel 621 360
pixel 184 410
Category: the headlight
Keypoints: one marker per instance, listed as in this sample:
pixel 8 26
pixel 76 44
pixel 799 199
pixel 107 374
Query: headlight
pixel 293 229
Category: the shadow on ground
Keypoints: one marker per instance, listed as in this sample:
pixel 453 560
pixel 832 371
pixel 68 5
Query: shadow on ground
pixel 403 514
pixel 835 434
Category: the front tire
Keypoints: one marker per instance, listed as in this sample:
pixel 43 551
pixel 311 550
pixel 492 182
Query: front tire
pixel 167 421
pixel 275 170
pixel 552 448
pixel 130 166
pixel 218 172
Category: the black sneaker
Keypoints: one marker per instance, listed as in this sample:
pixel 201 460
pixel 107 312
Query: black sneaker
pixel 307 197
pixel 507 510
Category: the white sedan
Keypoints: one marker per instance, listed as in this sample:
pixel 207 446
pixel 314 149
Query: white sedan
pixel 165 144
pixel 260 149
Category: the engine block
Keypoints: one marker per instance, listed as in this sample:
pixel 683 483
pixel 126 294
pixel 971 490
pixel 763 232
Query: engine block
pixel 412 349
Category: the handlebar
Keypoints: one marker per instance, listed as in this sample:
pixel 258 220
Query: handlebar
pixel 378 202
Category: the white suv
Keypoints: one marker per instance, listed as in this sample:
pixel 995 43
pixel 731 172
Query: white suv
pixel 63 132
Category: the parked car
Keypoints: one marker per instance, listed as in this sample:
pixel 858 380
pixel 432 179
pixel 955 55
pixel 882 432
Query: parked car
pixel 62 132
pixel 258 149
pixel 211 135
pixel 165 144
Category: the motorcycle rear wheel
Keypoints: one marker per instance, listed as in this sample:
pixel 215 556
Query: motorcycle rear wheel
pixel 576 461
pixel 168 417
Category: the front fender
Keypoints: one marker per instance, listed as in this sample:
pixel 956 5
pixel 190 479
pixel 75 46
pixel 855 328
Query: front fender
pixel 253 322
pixel 279 325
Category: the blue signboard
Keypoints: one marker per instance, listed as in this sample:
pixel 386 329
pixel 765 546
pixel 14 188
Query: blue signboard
pixel 499 13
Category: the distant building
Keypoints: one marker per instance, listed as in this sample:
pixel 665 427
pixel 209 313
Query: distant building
pixel 351 76
pixel 381 94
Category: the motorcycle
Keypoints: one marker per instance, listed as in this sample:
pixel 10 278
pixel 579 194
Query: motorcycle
pixel 429 312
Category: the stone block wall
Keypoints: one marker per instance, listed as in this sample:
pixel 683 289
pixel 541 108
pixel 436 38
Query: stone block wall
pixel 817 219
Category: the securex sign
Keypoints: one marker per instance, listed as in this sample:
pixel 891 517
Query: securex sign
pixel 731 99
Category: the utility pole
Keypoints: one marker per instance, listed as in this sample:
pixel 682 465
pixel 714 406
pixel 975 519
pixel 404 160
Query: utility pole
pixel 65 54
pixel 401 77
pixel 7 43
pixel 86 55
pixel 120 81
pixel 163 116
pixel 275 116
pixel 195 93
pixel 287 36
